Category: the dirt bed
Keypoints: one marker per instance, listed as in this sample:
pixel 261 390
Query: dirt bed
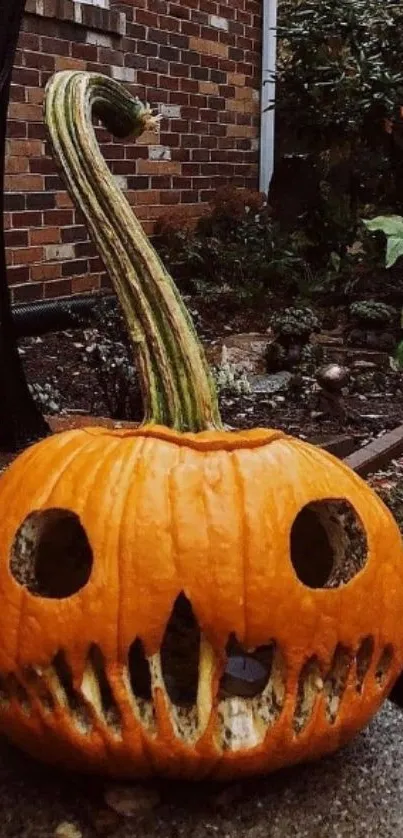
pixel 59 358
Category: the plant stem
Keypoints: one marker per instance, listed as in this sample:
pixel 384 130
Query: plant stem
pixel 177 386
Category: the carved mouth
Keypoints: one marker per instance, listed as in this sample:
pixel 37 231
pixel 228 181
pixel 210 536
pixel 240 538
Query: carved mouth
pixel 248 701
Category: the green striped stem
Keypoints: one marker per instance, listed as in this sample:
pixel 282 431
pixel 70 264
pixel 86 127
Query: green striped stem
pixel 177 386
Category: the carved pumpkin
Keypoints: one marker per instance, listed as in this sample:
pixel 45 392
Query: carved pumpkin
pixel 203 603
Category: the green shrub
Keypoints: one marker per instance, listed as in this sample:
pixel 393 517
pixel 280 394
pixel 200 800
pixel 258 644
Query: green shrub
pixel 295 323
pixel 236 246
pixel 339 79
pixel 373 313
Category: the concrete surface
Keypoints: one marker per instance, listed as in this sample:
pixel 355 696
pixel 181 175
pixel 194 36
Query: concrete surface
pixel 358 793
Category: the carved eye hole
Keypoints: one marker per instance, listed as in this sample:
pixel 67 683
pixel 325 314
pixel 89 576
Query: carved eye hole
pixel 328 544
pixel 51 555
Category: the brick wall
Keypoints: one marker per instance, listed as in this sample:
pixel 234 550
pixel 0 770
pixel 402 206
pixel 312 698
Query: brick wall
pixel 198 61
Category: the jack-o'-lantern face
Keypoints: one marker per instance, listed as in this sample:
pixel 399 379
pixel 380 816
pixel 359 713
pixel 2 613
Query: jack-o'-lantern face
pixel 194 605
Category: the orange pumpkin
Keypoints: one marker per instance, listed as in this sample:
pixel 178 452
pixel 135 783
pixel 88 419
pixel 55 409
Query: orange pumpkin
pixel 203 603
pixel 211 523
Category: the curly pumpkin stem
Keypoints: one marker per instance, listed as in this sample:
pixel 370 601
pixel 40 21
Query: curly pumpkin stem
pixel 176 383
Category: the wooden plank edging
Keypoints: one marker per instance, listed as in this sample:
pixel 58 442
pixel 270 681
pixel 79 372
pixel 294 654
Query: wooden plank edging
pixel 377 454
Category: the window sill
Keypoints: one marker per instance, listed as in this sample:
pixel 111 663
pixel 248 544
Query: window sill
pixel 81 14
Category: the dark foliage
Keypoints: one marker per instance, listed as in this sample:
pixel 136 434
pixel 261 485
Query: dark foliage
pixel 236 246
pixel 109 356
pixel 339 91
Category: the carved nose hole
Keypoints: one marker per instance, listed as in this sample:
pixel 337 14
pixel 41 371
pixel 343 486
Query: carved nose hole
pixel 51 555
pixel 246 674
pixel 328 544
pixel 180 652
pixel 139 671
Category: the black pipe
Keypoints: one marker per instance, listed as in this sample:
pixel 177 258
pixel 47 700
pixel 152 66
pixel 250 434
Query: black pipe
pixel 43 316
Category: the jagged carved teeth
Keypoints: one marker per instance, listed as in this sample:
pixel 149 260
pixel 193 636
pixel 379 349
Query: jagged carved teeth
pixel 244 689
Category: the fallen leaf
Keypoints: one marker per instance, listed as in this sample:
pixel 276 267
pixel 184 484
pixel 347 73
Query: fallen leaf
pixel 130 801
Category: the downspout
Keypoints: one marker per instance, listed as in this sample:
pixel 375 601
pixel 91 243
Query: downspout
pixel 268 90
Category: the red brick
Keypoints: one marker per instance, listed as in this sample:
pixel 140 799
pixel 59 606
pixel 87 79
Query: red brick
pixel 27 40
pixel 16 275
pixel 75 267
pixel 27 219
pixel 16 165
pixel 39 61
pixel 17 94
pixel 25 76
pixel 27 255
pixel 158 167
pixel 59 217
pixel 63 200
pixel 66 63
pixel 25 148
pixel 16 238
pixel 46 271
pixel 23 111
pixel 178 60
pixel 58 288
pixel 16 129
pixel 45 235
pixel 90 282
pixel 23 183
pixel 27 293
pixel 55 46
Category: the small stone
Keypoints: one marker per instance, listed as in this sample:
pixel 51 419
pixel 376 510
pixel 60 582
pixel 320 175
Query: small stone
pixel 332 377
pixel 270 383
pixel 68 830
pixel 246 352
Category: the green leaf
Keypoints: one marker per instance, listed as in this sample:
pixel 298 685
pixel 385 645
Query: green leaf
pixel 394 250
pixel 391 225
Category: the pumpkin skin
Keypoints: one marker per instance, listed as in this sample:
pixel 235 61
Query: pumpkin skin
pixel 210 515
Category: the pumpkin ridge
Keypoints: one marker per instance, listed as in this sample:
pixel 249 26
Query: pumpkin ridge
pixel 80 452
pixel 24 596
pixel 240 489
pixel 29 459
pixel 203 441
pixel 134 455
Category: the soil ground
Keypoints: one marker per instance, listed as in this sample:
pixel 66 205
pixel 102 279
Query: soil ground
pixel 59 358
